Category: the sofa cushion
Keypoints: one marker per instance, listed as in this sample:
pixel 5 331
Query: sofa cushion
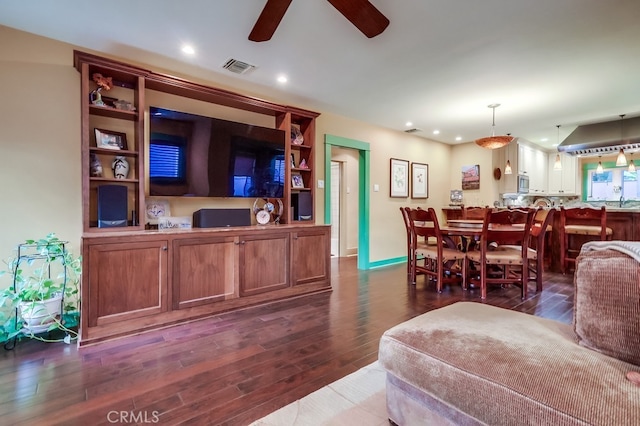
pixel 607 303
pixel 506 367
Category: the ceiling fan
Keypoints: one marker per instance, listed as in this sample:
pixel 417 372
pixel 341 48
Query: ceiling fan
pixel 360 13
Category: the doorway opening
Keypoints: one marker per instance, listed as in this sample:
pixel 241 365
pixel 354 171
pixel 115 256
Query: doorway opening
pixel 364 167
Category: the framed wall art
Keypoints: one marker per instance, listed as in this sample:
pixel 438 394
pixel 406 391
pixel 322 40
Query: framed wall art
pixel 419 180
pixel 110 140
pixel 471 177
pixel 399 178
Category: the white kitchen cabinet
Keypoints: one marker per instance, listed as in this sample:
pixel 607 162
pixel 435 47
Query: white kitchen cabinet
pixel 524 159
pixel 565 181
pixel 538 175
pixel 532 162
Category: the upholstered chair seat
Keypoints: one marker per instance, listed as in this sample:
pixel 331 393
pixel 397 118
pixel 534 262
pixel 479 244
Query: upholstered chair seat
pixel 586 230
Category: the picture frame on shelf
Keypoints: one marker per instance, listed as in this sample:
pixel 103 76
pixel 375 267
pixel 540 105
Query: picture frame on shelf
pixel 296 180
pixel 399 178
pixel 419 180
pixel 110 139
pixel 293 162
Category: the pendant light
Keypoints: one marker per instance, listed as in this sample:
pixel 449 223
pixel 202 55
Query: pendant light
pixel 621 160
pixel 558 164
pixel 599 169
pixel 507 168
pixel 493 141
pixel 632 167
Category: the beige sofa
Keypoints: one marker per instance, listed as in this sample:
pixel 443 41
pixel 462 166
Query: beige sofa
pixel 470 363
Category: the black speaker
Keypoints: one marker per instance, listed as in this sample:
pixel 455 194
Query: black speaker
pixel 215 218
pixel 302 206
pixel 112 206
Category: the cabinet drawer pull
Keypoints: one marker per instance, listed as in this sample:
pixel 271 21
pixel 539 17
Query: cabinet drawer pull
pixel 164 248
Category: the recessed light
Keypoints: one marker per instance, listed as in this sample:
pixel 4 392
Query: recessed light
pixel 458 138
pixel 188 49
pixel 408 124
pixel 282 79
pixel 436 132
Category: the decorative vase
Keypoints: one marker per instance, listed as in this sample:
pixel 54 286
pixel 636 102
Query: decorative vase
pixel 95 166
pixel 120 167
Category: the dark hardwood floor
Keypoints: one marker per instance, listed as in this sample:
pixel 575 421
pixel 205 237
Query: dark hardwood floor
pixel 236 367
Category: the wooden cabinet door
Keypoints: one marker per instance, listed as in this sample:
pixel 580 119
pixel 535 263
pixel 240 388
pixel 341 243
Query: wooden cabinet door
pixel 126 280
pixel 264 263
pixel 204 271
pixel 563 181
pixel 310 256
pixel 622 225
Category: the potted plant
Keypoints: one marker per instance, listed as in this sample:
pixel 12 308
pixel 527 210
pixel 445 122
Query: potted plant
pixel 41 292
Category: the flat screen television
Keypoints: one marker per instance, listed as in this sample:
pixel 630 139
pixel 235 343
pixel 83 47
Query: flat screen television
pixel 197 156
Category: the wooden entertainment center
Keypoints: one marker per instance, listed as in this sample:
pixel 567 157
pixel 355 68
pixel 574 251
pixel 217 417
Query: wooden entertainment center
pixel 135 279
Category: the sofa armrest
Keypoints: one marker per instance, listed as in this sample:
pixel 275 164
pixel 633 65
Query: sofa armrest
pixel 607 303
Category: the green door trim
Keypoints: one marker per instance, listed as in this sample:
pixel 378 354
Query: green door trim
pixel 364 168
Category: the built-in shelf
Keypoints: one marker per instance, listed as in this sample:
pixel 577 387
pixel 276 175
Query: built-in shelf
pixel 114 152
pixel 113 112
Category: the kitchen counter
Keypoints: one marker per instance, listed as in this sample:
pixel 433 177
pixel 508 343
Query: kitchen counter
pixel 624 221
pixel 622 209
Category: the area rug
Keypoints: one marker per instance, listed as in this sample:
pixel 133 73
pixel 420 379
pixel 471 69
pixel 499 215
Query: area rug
pixel 357 399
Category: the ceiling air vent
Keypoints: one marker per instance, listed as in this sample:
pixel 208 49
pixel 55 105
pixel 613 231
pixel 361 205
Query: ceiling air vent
pixel 414 130
pixel 237 66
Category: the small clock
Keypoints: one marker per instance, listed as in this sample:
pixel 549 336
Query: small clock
pixel 263 217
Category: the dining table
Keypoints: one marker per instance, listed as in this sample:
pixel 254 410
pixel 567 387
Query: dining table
pixel 470 230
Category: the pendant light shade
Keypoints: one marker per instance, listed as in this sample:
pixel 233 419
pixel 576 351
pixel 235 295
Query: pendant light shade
pixel 632 167
pixel 493 141
pixel 558 163
pixel 621 160
pixel 507 168
pixel 599 169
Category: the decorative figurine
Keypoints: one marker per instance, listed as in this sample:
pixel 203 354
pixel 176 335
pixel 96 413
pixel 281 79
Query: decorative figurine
pixel 105 83
pixel 303 164
pixel 120 167
pixel 95 166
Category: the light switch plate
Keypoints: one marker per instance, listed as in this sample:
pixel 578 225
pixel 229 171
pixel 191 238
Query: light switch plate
pixel 376 187
pixel 320 183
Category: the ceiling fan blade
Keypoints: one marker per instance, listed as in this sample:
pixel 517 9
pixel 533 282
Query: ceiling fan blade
pixel 363 15
pixel 269 20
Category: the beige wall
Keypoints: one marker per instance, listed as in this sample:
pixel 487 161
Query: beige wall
pixel 468 154
pixel 40 146
pixel 39 141
pixel 387 234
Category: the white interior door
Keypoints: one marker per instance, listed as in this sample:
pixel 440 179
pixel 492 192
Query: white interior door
pixel 336 167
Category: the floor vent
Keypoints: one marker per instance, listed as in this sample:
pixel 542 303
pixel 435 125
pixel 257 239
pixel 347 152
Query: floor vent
pixel 237 66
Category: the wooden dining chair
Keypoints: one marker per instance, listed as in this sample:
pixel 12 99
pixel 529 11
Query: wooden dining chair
pixel 441 263
pixel 503 264
pixel 474 212
pixel 577 226
pixel 540 230
pixel 410 249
